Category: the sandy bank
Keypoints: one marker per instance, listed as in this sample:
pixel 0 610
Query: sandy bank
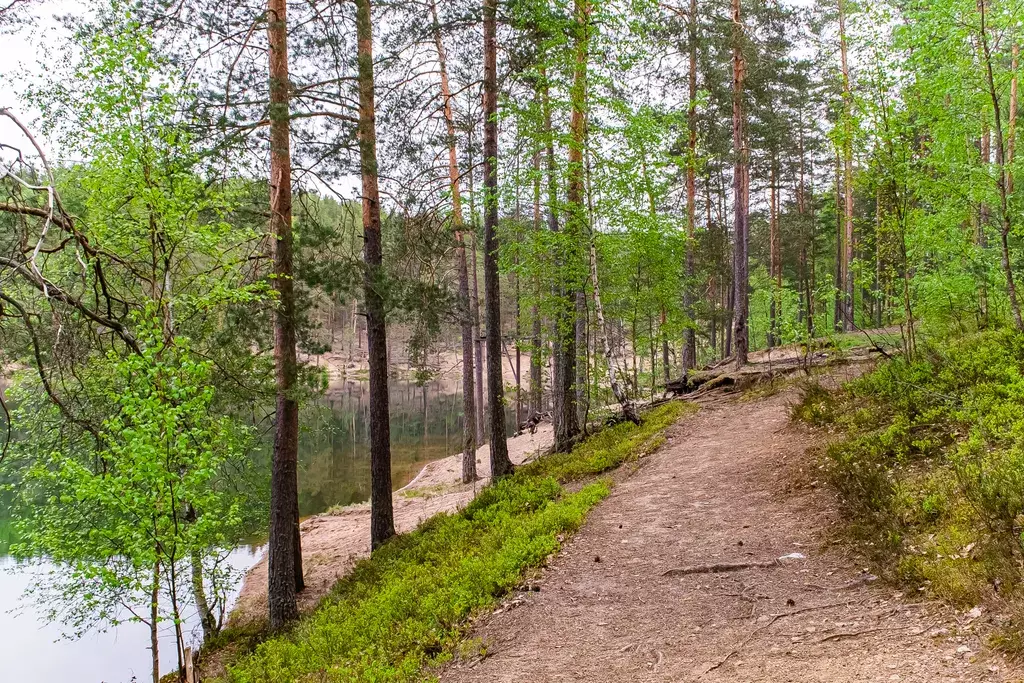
pixel 332 542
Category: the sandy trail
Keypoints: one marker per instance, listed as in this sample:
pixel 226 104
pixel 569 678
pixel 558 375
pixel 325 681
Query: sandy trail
pixel 332 543
pixel 732 484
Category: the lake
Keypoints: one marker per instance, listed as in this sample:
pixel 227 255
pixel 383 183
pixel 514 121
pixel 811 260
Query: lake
pixel 334 470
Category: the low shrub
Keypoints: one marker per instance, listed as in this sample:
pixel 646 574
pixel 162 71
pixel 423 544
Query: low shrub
pixel 929 466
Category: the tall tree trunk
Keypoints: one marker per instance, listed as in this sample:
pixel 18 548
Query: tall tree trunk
pixel 589 348
pixel 1005 177
pixel 653 352
pixel 812 259
pixel 582 356
pixel 741 339
pixel 665 366
pixel 536 356
pixel 175 615
pixel 465 314
pixel 980 239
pixel 518 301
pixel 633 350
pixel 840 298
pixel 565 416
pixel 469 444
pixel 500 463
pixel 879 216
pixel 730 307
pixel 1011 124
pixel 689 335
pixel 805 265
pixel 714 298
pixel 154 621
pixel 519 352
pixel 563 396
pixel 557 392
pixel 774 257
pixel 847 175
pixel 284 553
pixel 478 339
pixel 713 323
pixel 577 224
pixel 728 290
pixel 581 224
pixel 382 518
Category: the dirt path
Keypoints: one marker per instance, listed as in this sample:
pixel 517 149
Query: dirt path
pixel 733 484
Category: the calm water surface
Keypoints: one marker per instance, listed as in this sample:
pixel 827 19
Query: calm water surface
pixel 334 469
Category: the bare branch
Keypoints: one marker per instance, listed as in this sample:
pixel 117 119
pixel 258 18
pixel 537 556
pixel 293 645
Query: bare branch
pixel 51 290
pixel 41 370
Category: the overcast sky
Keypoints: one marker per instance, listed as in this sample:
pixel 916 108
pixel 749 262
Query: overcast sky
pixel 25 47
pixel 23 52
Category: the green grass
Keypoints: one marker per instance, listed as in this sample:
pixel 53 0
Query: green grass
pixel 407 608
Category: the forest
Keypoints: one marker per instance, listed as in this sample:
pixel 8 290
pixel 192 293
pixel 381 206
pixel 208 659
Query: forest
pixel 237 238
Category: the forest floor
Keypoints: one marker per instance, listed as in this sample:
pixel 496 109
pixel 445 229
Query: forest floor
pixel 332 542
pixel 736 483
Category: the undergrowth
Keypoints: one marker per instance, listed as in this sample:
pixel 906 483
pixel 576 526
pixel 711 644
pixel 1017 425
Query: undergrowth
pixel 407 607
pixel 929 467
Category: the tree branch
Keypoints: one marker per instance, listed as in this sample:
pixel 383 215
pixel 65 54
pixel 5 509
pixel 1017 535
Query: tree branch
pixel 50 290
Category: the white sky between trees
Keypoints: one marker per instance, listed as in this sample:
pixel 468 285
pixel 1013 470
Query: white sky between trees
pixel 26 48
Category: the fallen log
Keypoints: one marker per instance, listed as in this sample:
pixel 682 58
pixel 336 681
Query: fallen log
pixel 738 379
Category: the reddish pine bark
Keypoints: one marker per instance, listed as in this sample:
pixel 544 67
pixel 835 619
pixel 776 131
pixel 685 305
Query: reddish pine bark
pixel 284 553
pixel 465 313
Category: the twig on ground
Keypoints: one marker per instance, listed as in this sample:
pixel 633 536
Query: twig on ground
pixel 719 568
pixel 866 580
pixel 812 608
pixel 855 634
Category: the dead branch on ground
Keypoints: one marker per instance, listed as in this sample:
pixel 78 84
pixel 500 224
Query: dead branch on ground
pixel 720 568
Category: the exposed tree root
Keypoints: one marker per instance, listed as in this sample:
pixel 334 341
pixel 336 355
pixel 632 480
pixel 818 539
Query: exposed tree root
pixel 856 634
pixel 697 383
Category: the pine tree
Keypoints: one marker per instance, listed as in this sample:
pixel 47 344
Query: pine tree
pixel 382 520
pixel 285 553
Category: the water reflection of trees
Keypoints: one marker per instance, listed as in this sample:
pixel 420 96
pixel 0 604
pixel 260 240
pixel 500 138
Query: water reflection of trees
pixel 6 523
pixel 334 454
